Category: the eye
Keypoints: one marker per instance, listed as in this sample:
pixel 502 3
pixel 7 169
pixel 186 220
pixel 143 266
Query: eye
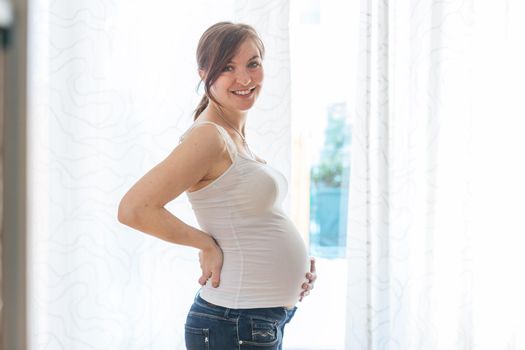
pixel 254 64
pixel 227 69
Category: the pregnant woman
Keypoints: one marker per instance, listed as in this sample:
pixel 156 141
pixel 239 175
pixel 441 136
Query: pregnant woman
pixel 255 266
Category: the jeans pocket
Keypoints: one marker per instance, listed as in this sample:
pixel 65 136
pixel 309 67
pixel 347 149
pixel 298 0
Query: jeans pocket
pixel 264 334
pixel 197 338
pixel 264 331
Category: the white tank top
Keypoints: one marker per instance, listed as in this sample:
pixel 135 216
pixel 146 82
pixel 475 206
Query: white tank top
pixel 265 258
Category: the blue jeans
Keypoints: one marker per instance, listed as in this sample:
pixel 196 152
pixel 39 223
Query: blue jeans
pixel 214 327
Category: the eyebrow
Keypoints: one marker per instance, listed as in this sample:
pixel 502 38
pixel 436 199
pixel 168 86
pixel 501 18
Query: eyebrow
pixel 256 56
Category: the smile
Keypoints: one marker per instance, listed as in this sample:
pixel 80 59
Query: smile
pixel 244 92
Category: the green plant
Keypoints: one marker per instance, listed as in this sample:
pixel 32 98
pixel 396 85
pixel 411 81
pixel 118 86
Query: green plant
pixel 329 171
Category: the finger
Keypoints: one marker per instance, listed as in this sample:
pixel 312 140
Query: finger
pixel 307 286
pixel 204 277
pixel 215 279
pixel 312 265
pixel 311 277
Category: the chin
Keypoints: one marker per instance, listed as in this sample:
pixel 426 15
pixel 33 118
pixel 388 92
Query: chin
pixel 243 107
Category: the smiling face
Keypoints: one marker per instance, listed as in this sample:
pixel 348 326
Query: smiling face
pixel 240 81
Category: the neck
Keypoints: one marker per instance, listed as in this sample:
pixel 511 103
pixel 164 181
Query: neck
pixel 233 119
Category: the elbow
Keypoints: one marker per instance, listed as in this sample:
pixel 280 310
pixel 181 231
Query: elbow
pixel 127 214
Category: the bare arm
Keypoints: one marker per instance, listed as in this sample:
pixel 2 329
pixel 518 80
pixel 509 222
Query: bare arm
pixel 142 207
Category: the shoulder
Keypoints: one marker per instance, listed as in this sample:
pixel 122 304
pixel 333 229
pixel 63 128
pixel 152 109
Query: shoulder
pixel 203 138
pixel 203 133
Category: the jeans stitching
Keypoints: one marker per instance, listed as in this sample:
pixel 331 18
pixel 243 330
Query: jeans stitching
pixel 277 316
pixel 203 315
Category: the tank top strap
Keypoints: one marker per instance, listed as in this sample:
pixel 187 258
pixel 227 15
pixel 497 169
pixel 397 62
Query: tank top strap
pixel 230 145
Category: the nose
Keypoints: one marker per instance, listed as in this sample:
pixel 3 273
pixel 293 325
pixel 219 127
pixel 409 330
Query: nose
pixel 243 77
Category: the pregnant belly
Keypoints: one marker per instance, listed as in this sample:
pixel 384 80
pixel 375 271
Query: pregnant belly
pixel 264 272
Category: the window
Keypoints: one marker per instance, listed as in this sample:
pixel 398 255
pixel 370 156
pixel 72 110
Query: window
pixel 329 186
pixel 322 64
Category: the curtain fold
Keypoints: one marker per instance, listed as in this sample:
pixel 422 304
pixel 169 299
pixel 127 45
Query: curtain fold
pixel 423 187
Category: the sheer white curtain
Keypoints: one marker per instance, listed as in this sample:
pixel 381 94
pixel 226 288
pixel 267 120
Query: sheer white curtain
pixel 111 90
pixel 437 186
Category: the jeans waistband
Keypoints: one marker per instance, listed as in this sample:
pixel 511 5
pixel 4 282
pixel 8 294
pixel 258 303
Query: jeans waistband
pixel 229 312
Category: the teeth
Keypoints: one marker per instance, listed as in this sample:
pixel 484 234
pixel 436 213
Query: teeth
pixel 242 92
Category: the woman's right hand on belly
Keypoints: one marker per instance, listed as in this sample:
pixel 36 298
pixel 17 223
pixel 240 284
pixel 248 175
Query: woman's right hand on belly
pixel 211 259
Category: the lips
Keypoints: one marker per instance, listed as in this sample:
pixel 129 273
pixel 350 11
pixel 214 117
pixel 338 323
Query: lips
pixel 246 92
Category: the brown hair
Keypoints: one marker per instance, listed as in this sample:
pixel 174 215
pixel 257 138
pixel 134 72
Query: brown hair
pixel 216 48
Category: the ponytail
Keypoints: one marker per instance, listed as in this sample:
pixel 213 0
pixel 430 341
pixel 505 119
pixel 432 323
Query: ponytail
pixel 201 107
